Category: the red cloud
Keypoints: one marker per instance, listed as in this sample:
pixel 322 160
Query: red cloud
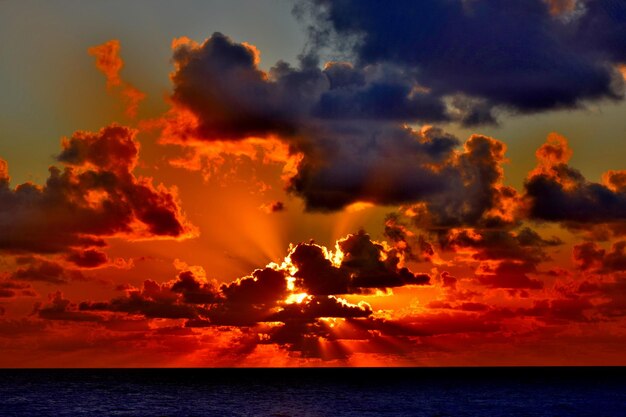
pixel 10 289
pixel 590 256
pixel 95 196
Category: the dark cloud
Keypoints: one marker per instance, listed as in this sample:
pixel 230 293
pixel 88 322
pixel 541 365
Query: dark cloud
pixel 220 83
pixel 589 256
pixel 272 294
pixel 346 126
pixel 263 287
pixel 152 301
pixel 10 329
pixel 524 245
pixel 583 202
pixel 95 196
pixel 243 302
pixel 370 265
pixel 602 295
pixel 556 192
pixel 10 289
pixel 42 270
pixel 89 258
pixel 514 56
pixel 194 291
pixel 346 122
pixel 364 265
pixel 380 164
pixel 375 93
pixel 114 149
pixel 60 308
pixel 304 332
pixel 250 300
pixel 560 310
pixel 474 195
pixel 306 340
pixel 402 166
pixel 316 274
pixel 509 274
pixel 264 296
pixel 600 28
pixel 413 247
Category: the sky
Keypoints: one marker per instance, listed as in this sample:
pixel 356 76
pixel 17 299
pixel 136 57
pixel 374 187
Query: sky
pixel 312 183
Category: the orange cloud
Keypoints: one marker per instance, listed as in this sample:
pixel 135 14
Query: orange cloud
pixel 109 62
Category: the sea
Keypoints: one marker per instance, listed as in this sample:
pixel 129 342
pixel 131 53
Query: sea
pixel 362 392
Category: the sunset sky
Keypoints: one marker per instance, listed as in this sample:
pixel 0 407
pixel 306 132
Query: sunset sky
pixel 312 183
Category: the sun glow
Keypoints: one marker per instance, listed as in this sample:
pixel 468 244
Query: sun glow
pixel 297 298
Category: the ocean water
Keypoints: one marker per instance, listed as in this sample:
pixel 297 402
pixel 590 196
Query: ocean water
pixel 360 392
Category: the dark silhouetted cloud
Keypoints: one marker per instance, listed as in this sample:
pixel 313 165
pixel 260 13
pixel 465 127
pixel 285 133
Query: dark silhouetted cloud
pixel 523 56
pixel 559 193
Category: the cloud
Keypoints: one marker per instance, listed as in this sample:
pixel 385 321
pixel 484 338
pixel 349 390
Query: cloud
pixel 220 83
pixel 298 306
pixel 601 27
pixel 475 48
pixel 109 62
pixel 89 258
pixel 590 256
pixel 60 308
pixel 263 287
pixel 434 324
pixel 363 265
pixel 561 7
pixel 300 289
pixel 398 165
pixel 252 299
pixel 193 290
pixel 12 328
pixel 316 274
pixel 371 265
pixel 560 310
pixel 152 301
pixel 43 270
pixel 95 196
pixel 508 274
pixel 273 207
pixel 11 289
pixel 316 307
pixel 346 123
pixel 346 128
pixel 380 164
pixel 559 193
pixel 114 149
pixel 524 244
